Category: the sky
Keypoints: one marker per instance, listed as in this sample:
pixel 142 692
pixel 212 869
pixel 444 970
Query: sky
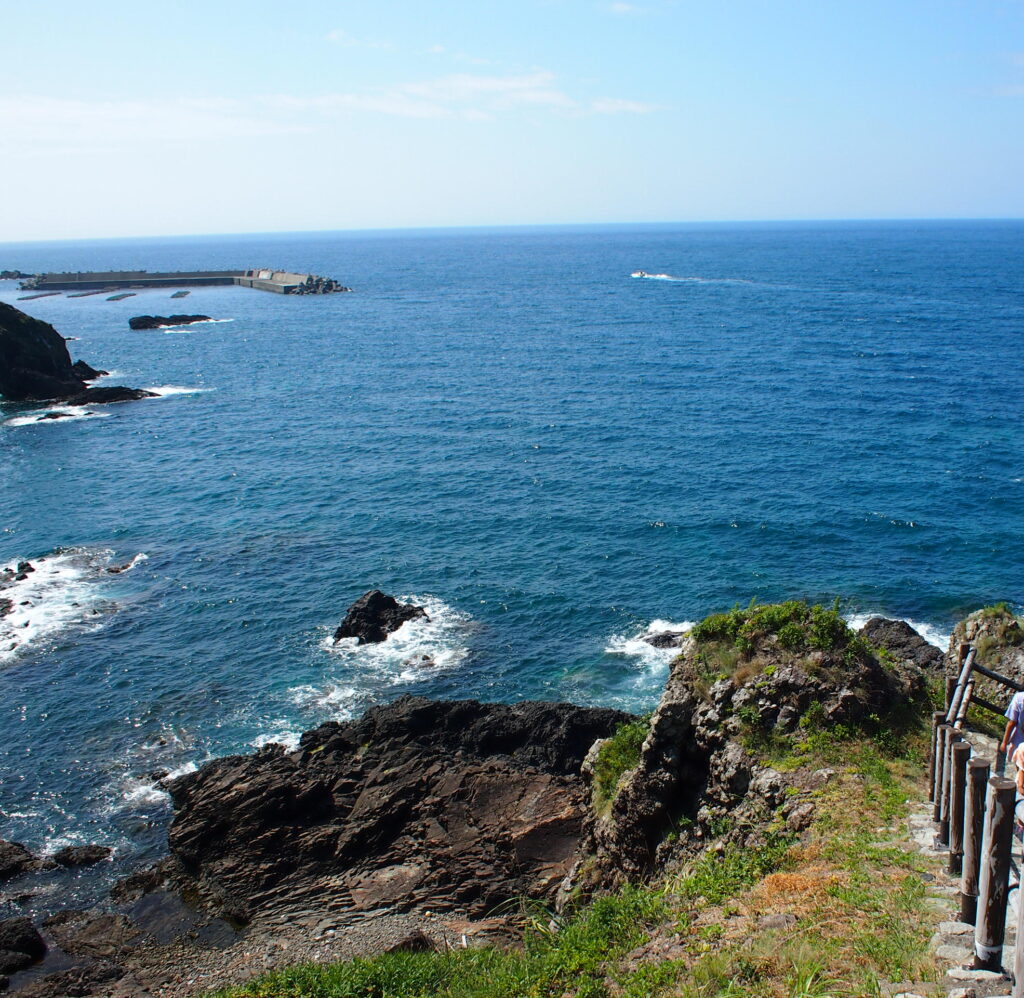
pixel 129 119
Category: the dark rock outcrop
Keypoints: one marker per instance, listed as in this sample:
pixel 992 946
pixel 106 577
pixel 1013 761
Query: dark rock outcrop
pixel 86 371
pixel 900 639
pixel 35 366
pixel 446 804
pixel 163 321
pixel 106 395
pixel 34 360
pixel 665 639
pixel 82 855
pixel 14 857
pixel 20 945
pixel 374 616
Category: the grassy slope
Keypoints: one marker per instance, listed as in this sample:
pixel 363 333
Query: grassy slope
pixel 853 886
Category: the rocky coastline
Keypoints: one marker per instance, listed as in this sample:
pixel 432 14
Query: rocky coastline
pixel 35 366
pixel 426 822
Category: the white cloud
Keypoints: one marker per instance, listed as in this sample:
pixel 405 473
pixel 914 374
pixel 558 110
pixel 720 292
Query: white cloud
pixel 32 125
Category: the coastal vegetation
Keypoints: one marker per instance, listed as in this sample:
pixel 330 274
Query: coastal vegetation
pixel 616 756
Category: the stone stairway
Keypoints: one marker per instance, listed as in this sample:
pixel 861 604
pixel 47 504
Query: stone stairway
pixel 953 942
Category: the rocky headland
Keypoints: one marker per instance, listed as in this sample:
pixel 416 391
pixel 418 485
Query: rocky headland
pixel 35 366
pixel 428 823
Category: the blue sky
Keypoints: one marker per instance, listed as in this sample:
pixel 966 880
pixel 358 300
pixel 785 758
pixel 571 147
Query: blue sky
pixel 186 117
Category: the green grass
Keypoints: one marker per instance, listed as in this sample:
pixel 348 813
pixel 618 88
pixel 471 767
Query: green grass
pixel 795 626
pixel 568 959
pixel 616 756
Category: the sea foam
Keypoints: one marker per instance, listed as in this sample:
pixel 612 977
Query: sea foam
pixel 65 589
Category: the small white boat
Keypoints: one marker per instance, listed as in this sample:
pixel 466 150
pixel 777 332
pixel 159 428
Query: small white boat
pixel 639 273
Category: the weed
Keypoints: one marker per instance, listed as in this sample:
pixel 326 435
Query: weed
pixel 616 756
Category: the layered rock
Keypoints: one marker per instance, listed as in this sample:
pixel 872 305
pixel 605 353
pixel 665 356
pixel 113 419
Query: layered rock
pixel 374 616
pixel 450 805
pixel 35 366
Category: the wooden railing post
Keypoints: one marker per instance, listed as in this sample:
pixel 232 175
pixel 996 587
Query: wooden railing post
pixel 937 718
pixel 994 883
pixel 952 737
pixel 950 690
pixel 940 767
pixel 974 825
pixel 957 802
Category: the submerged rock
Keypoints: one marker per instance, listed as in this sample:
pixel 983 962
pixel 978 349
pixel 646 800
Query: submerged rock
pixel 450 805
pixel 374 616
pixel 82 855
pixel 163 321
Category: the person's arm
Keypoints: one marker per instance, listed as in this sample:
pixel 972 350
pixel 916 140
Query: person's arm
pixel 1010 725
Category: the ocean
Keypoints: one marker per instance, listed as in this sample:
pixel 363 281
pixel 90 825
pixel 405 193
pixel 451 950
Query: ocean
pixel 550 454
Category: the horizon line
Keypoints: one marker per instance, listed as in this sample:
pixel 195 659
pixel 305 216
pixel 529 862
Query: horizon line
pixel 498 226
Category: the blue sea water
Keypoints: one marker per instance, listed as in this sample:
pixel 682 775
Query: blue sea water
pixel 506 425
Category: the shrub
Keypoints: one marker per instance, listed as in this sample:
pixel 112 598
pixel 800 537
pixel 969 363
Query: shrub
pixel 618 754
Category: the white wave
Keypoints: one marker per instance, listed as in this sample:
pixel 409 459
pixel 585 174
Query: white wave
pixel 418 648
pixel 634 646
pixel 338 700
pixel 167 390
pixel 44 417
pixel 202 322
pixel 130 793
pixel 64 589
pixel 289 739
pixel 932 633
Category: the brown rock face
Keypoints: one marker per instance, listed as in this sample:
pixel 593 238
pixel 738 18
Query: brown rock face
pixel 451 805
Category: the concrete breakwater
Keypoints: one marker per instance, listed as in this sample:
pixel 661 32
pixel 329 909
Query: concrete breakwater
pixel 279 281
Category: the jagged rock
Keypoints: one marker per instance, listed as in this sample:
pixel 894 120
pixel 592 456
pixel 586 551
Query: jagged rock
pixel 81 855
pixel 20 944
pixel 86 372
pixel 14 857
pixel 445 804
pixel 695 772
pixel 106 395
pixel 901 640
pixel 35 365
pixel 163 321
pixel 374 616
pixel 665 639
pixel 997 635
